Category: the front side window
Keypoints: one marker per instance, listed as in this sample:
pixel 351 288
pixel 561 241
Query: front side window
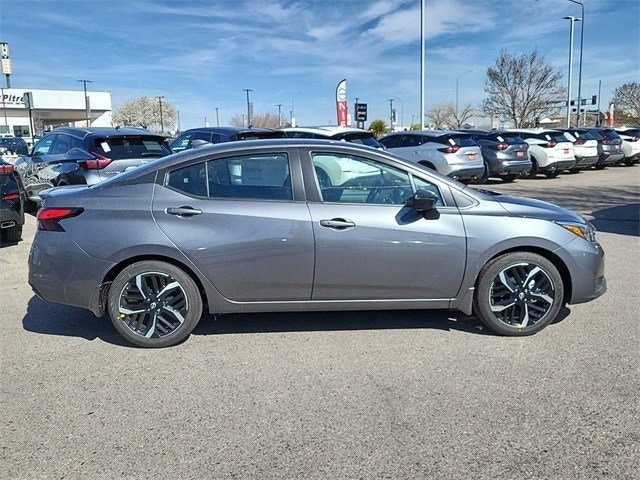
pixel 353 179
pixel 191 180
pixel 64 143
pixel 182 142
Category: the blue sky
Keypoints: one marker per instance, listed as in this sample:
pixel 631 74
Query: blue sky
pixel 201 54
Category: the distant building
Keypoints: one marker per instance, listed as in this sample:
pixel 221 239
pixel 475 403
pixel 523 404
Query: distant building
pixel 49 109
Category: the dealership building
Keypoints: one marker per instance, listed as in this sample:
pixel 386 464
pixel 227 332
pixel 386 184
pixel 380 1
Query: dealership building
pixel 26 112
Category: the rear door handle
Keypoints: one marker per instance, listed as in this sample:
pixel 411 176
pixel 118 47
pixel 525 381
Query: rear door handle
pixel 183 211
pixel 337 223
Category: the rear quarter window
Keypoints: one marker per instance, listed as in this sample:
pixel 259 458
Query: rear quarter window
pixel 117 148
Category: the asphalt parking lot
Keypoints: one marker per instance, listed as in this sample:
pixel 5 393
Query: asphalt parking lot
pixel 336 395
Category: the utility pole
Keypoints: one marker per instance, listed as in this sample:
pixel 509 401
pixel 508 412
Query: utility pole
pixel 160 97
pixel 572 19
pixel 86 99
pixel 599 91
pixel 279 105
pixel 422 53
pixel 247 90
pixel 217 118
pixel 391 114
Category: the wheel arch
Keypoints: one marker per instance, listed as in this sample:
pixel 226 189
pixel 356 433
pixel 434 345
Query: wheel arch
pixel 549 255
pixel 116 269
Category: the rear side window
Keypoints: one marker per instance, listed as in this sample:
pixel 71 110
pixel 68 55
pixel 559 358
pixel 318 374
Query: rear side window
pixel 459 140
pixel 44 146
pixel 117 148
pixel 392 141
pixel 64 143
pixel 191 180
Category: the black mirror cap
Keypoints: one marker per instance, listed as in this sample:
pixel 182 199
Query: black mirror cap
pixel 423 201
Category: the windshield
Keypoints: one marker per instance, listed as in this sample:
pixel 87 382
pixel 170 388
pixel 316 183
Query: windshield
pixel 135 146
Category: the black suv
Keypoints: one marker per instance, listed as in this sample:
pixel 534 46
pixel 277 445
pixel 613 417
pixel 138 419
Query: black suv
pixel 13 146
pixel 221 134
pixel 72 156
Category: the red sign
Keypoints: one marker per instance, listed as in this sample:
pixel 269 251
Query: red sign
pixel 341 102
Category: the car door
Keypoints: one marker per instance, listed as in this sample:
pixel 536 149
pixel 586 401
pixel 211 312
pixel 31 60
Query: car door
pixel 242 223
pixel 369 244
pixel 34 169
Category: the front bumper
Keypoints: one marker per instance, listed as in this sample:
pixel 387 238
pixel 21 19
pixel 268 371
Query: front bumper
pixel 586 267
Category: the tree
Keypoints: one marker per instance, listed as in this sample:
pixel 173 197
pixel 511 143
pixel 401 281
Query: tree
pixel 442 115
pixel 378 127
pixel 463 114
pixel 266 120
pixel 521 88
pixel 145 111
pixel 626 102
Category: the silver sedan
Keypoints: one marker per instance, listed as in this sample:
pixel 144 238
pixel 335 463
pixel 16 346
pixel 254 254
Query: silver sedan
pixel 290 225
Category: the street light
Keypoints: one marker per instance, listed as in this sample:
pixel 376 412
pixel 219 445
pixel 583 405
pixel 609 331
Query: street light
pixel 279 105
pixel 572 20
pixel 217 118
pixel 248 106
pixel 580 67
pixel 86 99
pixel 458 78
pixel 160 97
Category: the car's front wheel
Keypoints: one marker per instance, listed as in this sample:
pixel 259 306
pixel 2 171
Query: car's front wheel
pixel 518 293
pixel 154 304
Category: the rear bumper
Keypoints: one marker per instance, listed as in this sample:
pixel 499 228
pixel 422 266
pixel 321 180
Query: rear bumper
pixel 507 167
pixel 609 158
pixel 585 162
pixel 559 165
pixel 60 271
pixel 464 173
pixel 11 213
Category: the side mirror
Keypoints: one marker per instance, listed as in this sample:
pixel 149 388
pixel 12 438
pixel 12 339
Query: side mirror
pixel 77 154
pixel 423 201
pixel 199 143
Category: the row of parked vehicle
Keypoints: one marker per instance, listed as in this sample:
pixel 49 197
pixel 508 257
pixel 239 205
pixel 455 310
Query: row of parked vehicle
pixel 71 156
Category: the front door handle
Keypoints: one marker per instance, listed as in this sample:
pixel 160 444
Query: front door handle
pixel 337 223
pixel 183 211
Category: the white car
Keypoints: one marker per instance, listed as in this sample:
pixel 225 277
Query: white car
pixel 630 144
pixel 551 151
pixel 585 147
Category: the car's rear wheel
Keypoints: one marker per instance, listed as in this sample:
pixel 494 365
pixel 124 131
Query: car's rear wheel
pixel 533 171
pixel 509 178
pixel 518 293
pixel 154 304
pixel 485 175
pixel 552 173
pixel 12 235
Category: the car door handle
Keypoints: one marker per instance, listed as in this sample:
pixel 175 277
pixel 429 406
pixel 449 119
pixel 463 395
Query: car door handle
pixel 183 211
pixel 338 223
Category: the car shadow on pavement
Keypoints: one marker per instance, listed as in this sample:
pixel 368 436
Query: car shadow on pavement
pixel 622 219
pixel 56 319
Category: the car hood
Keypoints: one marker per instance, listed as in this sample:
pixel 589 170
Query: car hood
pixel 528 207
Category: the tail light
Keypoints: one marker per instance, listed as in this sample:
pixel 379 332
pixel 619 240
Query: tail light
pixel 11 196
pixel 6 169
pixel 580 141
pixel 633 139
pixel 48 218
pixel 551 144
pixel 98 163
pixel 449 149
pixel 609 141
pixel 501 146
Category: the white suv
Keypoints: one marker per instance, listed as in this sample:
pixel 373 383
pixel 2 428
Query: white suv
pixel 630 144
pixel 551 151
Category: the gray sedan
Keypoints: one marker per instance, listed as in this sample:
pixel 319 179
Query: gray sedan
pixel 290 225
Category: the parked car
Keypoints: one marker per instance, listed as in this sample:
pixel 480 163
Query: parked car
pixel 77 156
pixel 450 153
pixel 630 144
pixel 249 227
pixel 551 151
pixel 505 154
pixel 348 134
pixel 13 146
pixel 585 147
pixel 11 204
pixel 220 134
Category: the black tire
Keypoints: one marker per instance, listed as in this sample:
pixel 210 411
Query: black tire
pixel 484 177
pixel 12 235
pixel 147 317
pixel 533 171
pixel 514 306
pixel 509 178
pixel 552 174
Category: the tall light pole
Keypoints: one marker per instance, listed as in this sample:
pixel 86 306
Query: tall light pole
pixel 160 97
pixel 279 105
pixel 458 78
pixel 580 67
pixel 391 115
pixel 247 90
pixel 217 118
pixel 572 20
pixel 422 52
pixel 86 99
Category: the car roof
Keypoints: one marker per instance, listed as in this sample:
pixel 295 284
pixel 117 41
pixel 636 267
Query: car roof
pixel 228 129
pixel 83 132
pixel 328 130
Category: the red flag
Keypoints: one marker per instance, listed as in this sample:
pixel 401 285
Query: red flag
pixel 341 102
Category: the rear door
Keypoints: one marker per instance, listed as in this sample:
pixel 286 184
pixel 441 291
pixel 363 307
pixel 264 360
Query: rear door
pixel 243 222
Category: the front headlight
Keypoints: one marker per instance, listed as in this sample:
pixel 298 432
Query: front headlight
pixel 583 230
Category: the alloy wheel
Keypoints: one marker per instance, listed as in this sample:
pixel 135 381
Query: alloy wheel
pixel 521 295
pixel 152 304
